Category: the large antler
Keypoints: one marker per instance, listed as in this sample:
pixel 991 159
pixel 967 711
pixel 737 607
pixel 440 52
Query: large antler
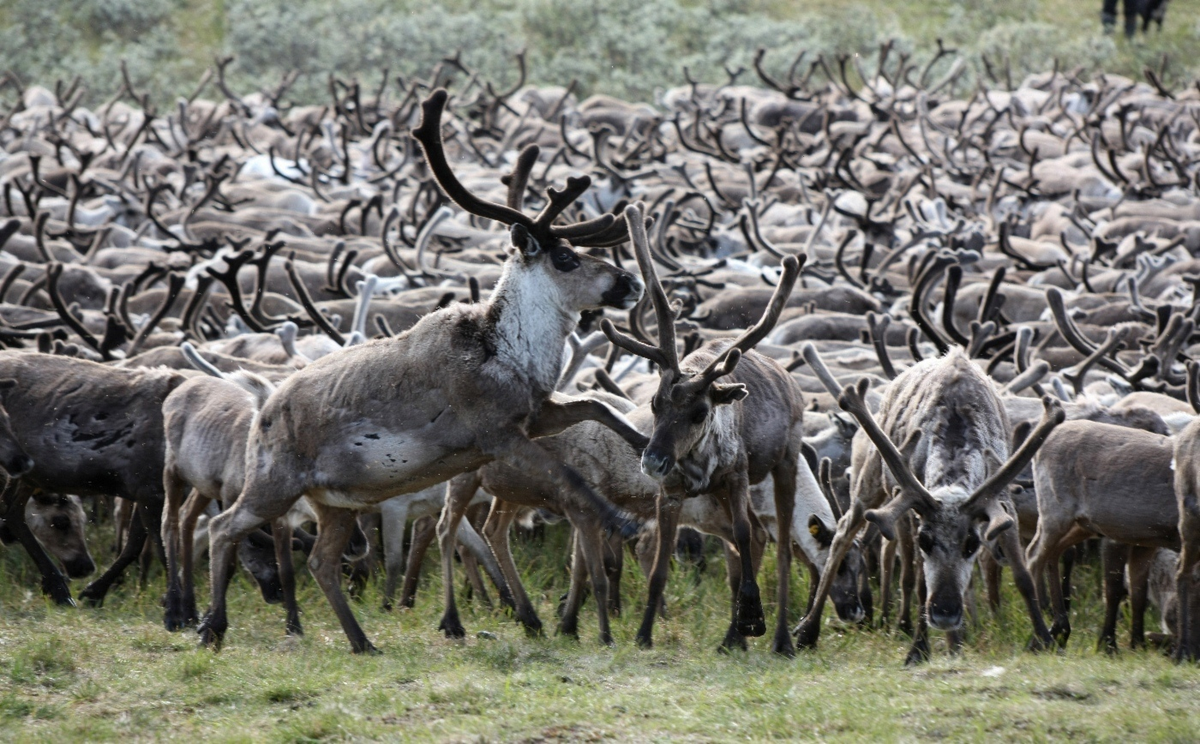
pixel 602 231
pixel 912 493
pixel 1052 416
pixel 727 360
pixel 665 355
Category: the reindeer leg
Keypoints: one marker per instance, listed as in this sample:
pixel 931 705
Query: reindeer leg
pixel 1139 576
pixel 176 491
pixel 394 518
pixel 471 540
pixel 1187 644
pixel 568 624
pixel 809 628
pixel 423 532
pixel 336 527
pixel 919 652
pixel 733 567
pixel 459 492
pixel 135 541
pixel 614 562
pixel 495 532
pixel 589 547
pixel 281 531
pixel 785 505
pixel 666 508
pixel 192 509
pixel 887 567
pixel 265 497
pixel 1010 543
pixel 751 620
pixel 1113 559
pixel 908 576
pixel 54 584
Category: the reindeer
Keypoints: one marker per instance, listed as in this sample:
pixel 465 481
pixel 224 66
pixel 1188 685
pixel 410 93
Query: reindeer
pixel 1095 479
pixel 56 522
pixel 716 437
pixel 465 385
pixel 93 430
pixel 953 432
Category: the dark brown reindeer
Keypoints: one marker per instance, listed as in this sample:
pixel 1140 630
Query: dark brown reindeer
pixel 953 436
pixel 94 431
pixel 465 385
pixel 725 417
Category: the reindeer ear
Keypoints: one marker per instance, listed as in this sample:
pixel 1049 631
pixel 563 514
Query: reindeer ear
pixel 817 529
pixel 523 242
pixel 725 393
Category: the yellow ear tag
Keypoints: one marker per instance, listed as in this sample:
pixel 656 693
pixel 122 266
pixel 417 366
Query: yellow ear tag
pixel 814 529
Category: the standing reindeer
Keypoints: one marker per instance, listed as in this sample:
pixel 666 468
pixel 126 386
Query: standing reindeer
pixel 950 469
pixel 464 386
pixel 725 417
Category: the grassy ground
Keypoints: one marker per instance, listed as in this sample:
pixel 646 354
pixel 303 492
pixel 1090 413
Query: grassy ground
pixel 114 673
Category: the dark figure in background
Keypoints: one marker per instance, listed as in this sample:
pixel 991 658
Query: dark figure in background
pixel 1149 11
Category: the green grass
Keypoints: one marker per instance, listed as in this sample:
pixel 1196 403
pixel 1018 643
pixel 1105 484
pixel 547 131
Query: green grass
pixel 115 673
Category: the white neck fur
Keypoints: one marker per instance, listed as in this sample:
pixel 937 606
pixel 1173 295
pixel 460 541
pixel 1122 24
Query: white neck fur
pixel 533 324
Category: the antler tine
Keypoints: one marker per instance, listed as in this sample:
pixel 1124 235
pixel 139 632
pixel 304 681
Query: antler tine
pixel 53 272
pixel 229 278
pixel 632 345
pixel 913 492
pixel 810 354
pixel 877 329
pixel 557 201
pixel 1193 385
pixel 616 233
pixel 519 178
pixel 825 478
pixel 662 308
pixel 1052 416
pixel 306 300
pixel 429 135
pixel 175 283
pixel 750 337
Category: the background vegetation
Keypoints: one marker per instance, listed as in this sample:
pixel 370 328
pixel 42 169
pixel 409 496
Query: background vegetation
pixel 116 674
pixel 628 48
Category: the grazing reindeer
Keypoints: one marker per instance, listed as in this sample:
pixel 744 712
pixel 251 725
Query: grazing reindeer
pixel 464 386
pixel 57 522
pixel 716 437
pixel 953 430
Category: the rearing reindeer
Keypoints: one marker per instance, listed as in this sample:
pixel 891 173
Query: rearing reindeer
pixel 724 417
pixel 950 469
pixel 466 385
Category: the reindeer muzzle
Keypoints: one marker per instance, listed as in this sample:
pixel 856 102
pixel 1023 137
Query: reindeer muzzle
pixel 656 465
pixel 625 292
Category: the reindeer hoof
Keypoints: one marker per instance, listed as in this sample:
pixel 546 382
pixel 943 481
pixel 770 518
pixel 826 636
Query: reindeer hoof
pixel 92 597
pixel 210 637
pixel 751 622
pixel 807 633
pixel 294 629
pixel 918 654
pixel 606 639
pixel 733 641
pixel 782 645
pixel 570 631
pixel 452 628
pixel 645 641
pixel 366 648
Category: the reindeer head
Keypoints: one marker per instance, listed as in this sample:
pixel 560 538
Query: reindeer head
pixel 58 522
pixel 948 519
pixel 12 458
pixel 687 402
pixel 539 249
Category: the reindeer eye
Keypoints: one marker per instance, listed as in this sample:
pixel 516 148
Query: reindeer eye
pixel 925 540
pixel 60 523
pixel 971 545
pixel 564 259
pixel 700 415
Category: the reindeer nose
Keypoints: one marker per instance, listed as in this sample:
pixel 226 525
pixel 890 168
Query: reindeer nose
pixel 945 617
pixel 656 465
pixel 625 292
pixel 80 567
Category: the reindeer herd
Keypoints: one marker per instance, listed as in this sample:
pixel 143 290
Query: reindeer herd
pixel 848 312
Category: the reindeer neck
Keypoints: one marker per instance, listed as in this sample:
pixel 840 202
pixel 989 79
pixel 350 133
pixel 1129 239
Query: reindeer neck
pixel 530 325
